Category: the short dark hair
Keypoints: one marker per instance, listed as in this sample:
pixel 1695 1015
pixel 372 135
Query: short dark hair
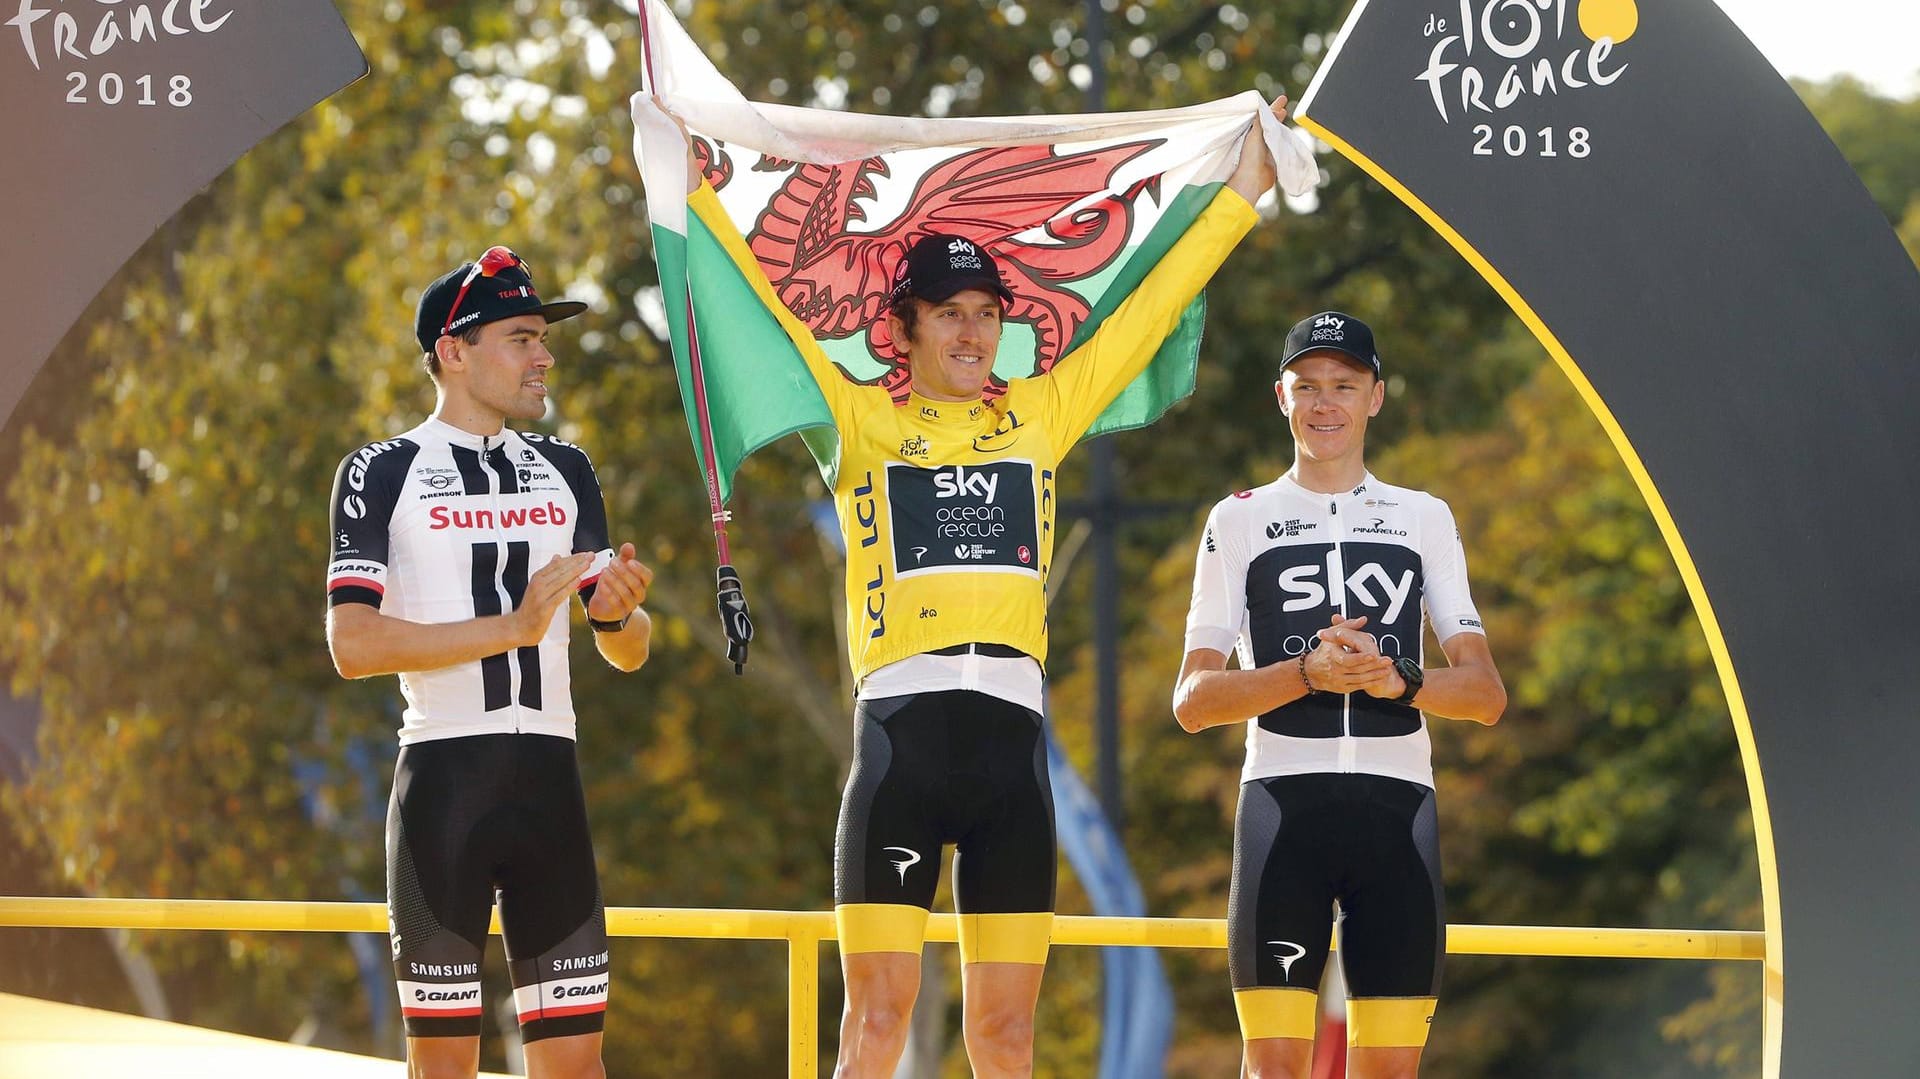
pixel 907 310
pixel 431 360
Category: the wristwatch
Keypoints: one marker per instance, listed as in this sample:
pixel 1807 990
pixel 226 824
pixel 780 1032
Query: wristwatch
pixel 608 627
pixel 1412 675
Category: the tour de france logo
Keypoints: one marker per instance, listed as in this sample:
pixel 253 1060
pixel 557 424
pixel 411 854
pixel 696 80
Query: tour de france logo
pixel 1494 54
pixel 97 46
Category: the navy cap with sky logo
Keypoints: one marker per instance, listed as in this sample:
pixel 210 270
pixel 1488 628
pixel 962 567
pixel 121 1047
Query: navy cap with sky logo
pixel 939 265
pixel 1335 330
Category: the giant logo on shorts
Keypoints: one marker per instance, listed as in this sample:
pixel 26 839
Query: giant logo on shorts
pixel 965 517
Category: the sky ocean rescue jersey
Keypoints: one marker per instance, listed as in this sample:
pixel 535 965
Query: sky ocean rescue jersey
pixel 1277 562
pixel 439 525
pixel 948 508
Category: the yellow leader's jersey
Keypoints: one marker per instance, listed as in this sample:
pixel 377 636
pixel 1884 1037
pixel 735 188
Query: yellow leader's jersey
pixel 947 508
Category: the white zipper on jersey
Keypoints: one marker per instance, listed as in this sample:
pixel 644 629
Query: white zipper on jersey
pixel 1337 578
pixel 500 543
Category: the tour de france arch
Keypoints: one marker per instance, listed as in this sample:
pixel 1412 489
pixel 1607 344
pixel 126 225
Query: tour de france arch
pixel 1659 208
pixel 1643 189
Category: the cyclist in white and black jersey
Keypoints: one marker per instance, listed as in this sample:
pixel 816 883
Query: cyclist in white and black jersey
pixel 455 546
pixel 1324 583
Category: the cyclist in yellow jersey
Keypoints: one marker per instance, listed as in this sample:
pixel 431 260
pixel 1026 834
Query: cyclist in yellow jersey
pixel 947 505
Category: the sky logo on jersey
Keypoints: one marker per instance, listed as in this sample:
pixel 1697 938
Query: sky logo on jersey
pixel 961 483
pixel 1303 583
pixel 971 516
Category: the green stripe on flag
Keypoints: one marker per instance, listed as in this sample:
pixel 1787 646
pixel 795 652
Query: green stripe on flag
pixel 758 386
pixel 1170 375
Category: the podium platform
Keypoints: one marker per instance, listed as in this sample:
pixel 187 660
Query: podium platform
pixel 41 1039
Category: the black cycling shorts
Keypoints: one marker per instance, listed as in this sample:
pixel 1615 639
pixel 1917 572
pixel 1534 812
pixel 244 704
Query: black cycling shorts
pixel 958 767
pixel 1302 843
pixel 484 815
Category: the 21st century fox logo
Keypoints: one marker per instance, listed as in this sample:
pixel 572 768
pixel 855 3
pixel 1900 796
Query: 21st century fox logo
pixel 1494 53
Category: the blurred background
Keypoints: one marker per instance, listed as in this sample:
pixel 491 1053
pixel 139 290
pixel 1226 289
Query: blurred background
pixel 174 727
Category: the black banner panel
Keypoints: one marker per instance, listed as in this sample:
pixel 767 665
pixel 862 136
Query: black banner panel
pixel 1659 207
pixel 116 112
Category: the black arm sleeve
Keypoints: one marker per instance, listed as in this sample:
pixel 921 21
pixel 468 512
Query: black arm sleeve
pixel 365 489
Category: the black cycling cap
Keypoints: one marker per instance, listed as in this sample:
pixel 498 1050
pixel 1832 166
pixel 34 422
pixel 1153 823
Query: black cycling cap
pixel 1333 330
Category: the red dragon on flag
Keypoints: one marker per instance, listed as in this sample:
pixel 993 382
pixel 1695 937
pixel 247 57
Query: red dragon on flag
pixel 837 279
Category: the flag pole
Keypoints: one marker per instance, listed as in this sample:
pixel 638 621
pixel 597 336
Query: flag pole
pixel 731 599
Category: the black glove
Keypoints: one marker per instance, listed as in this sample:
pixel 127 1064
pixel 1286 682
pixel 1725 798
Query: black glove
pixel 734 619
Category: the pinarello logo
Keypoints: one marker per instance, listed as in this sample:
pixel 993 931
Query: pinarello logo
pixel 1025 554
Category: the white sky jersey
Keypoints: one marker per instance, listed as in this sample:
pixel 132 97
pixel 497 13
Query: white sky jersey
pixel 438 525
pixel 1277 562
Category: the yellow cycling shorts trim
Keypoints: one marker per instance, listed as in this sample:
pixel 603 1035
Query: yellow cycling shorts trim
pixel 1389 1022
pixel 880 927
pixel 1276 1013
pixel 1005 938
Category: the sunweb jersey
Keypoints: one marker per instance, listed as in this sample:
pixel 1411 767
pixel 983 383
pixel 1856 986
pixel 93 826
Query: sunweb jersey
pixel 439 525
pixel 1277 562
pixel 948 508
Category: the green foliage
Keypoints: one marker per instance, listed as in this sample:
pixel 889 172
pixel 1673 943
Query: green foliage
pixel 1876 135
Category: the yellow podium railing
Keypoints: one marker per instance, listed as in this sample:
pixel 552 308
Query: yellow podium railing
pixel 804 930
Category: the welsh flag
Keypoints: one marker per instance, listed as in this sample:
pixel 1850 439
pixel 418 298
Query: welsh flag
pixel 1077 209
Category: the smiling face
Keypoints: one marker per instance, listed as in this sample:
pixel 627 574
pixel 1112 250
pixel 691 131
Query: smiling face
pixel 952 345
pixel 501 376
pixel 1328 399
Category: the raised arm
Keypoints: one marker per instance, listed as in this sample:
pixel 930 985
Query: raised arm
pixel 1085 381
pixel 1255 173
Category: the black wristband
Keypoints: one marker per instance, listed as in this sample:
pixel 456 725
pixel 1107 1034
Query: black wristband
pixel 1304 680
pixel 608 627
pixel 1414 677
